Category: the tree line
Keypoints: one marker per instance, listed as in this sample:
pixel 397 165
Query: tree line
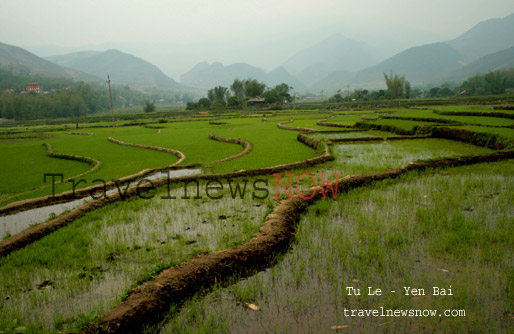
pixel 240 91
pixel 397 87
pixel 66 98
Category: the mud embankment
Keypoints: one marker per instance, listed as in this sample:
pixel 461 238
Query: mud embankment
pixel 32 234
pixel 51 153
pixel 79 133
pixel 336 125
pixel 247 147
pixel 92 190
pixel 294 128
pixel 386 128
pixel 480 113
pixel 489 140
pixel 151 301
pixel 181 156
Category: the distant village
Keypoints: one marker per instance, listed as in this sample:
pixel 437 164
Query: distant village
pixel 35 88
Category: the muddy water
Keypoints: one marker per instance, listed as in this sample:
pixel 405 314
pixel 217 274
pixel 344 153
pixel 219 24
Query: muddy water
pixel 18 222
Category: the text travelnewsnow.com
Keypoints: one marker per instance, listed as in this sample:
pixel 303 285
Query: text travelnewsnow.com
pixel 383 312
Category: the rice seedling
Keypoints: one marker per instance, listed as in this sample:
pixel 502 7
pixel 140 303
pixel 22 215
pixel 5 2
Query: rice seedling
pixel 422 231
pixel 87 267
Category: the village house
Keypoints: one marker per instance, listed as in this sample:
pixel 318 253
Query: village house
pixel 33 87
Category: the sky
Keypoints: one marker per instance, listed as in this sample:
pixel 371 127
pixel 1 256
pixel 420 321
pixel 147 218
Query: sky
pixel 175 35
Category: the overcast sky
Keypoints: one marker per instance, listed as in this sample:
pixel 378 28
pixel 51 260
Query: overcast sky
pixel 177 34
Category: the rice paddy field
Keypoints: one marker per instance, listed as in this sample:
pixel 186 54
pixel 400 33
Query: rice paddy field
pixel 428 251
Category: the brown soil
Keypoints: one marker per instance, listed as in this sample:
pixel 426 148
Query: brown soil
pixel 89 191
pixel 247 147
pixel 339 140
pixel 151 300
pixel 37 232
pixel 336 125
pixel 294 128
pixel 181 156
pixel 67 196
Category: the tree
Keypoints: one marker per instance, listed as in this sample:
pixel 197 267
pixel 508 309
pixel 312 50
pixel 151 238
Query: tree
pixel 233 101
pixel 211 95
pixel 217 95
pixel 204 102
pixel 406 86
pixel 279 93
pixel 253 88
pixel 149 106
pixel 238 88
pixel 396 85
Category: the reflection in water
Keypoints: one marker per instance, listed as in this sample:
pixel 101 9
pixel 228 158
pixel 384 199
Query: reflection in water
pixel 18 222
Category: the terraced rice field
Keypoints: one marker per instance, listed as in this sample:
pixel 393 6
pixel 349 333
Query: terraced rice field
pixel 225 251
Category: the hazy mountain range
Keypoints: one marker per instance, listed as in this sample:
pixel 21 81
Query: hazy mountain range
pixel 206 76
pixel 123 68
pixel 19 60
pixel 329 65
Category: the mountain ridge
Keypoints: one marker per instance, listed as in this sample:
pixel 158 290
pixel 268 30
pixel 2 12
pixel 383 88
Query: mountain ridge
pixel 206 76
pixel 123 68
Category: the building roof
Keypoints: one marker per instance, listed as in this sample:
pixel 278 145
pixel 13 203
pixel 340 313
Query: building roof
pixel 256 99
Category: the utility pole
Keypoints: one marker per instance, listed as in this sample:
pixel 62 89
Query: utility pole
pixel 349 93
pixel 110 96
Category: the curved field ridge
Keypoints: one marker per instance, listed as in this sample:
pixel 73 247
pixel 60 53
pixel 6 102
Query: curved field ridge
pixel 373 138
pixel 425 119
pixel 445 121
pixel 80 133
pixel 67 196
pixel 294 128
pixel 343 140
pixel 181 156
pixel 492 141
pixel 477 113
pixel 247 147
pixel 324 122
pixel 37 232
pixel 51 153
pixel 151 300
pixel 93 162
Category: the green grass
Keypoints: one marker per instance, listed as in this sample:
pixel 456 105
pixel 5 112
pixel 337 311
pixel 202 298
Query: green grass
pixel 349 119
pixel 371 133
pixel 452 227
pixel 117 161
pixel 23 165
pixel 465 119
pixel 400 123
pixel 88 266
pixel 479 108
pixel 309 124
pixel 191 138
pixel 505 132
pixel 364 158
pixel 271 145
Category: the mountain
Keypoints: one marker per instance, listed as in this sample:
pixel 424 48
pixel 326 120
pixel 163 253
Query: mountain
pixel 280 75
pixel 499 60
pixel 123 68
pixel 486 37
pixel 432 63
pixel 336 53
pixel 207 76
pixel 420 65
pixel 19 60
pixel 337 80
